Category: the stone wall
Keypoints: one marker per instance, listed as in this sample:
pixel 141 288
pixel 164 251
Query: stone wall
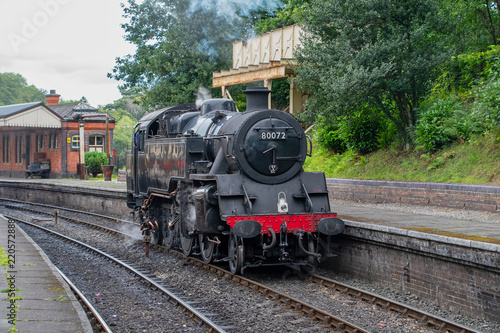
pixel 97 200
pixel 456 274
pixel 462 196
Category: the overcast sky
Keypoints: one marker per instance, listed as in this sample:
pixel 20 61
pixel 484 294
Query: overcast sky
pixel 66 45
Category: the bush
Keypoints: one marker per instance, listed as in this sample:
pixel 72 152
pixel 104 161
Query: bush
pixel 442 122
pixel 94 160
pixel 328 137
pixel 487 103
pixel 357 132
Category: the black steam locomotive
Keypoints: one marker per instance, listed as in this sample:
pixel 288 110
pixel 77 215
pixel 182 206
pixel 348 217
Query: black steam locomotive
pixel 229 185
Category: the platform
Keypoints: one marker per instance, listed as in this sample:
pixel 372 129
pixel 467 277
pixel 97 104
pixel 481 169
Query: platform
pixel 459 223
pixel 40 300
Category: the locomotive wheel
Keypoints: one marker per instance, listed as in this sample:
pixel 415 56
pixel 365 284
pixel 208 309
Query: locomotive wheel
pixel 311 247
pixel 186 244
pixel 159 236
pixel 206 248
pixel 236 252
pixel 170 234
pixel 169 238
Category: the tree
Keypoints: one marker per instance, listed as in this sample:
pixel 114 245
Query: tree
pixel 371 54
pixel 291 13
pixel 477 24
pixel 14 89
pixel 179 44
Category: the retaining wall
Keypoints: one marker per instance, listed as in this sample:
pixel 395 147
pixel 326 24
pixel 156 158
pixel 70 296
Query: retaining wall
pixel 462 196
pixel 456 274
pixel 98 200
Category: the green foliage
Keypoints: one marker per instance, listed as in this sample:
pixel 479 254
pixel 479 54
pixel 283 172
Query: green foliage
pixel 356 132
pixel 291 13
pixel 180 43
pixel 474 162
pixel 280 96
pixel 131 102
pixel 435 128
pixel 14 89
pixel 487 103
pixel 359 131
pixel 327 135
pixel 460 74
pixel 375 54
pixel 94 160
pixel 475 24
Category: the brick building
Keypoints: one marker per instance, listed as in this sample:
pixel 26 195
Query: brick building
pixel 32 131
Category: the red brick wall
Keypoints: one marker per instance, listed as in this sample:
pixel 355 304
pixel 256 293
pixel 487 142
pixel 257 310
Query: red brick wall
pixel 51 153
pixel 73 156
pixel 55 155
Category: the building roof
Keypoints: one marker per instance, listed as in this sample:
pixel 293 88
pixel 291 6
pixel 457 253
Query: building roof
pixel 71 111
pixel 35 114
pixel 8 110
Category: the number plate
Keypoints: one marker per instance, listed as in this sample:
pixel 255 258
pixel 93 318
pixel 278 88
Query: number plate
pixel 271 135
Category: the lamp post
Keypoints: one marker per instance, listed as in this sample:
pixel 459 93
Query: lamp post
pixel 82 149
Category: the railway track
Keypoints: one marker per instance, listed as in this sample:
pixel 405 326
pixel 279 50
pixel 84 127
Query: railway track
pixel 310 311
pixel 98 323
pixel 437 323
pixel 194 313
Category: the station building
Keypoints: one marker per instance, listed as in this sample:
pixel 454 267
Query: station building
pixel 30 132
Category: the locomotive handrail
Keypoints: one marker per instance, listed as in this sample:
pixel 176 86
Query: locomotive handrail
pixel 310 146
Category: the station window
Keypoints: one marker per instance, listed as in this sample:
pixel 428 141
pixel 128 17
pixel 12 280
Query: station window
pixel 96 143
pixel 75 141
pixel 19 150
pixel 39 142
pixel 53 143
pixel 5 149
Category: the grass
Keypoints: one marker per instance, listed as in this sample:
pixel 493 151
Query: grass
pixel 474 162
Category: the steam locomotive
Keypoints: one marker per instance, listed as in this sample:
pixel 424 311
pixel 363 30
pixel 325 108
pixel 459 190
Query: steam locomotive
pixel 229 186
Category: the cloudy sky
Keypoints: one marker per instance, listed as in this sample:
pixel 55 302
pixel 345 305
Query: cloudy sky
pixel 66 45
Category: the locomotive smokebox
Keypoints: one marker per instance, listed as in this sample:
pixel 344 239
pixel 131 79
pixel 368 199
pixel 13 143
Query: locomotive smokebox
pixel 257 98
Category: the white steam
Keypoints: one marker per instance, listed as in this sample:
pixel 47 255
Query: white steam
pixel 234 9
pixel 201 95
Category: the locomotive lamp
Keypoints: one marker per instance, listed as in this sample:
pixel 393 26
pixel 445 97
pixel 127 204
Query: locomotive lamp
pixel 282 204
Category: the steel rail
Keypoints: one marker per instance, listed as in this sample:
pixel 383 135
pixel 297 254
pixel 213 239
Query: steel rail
pixel 69 210
pixel 289 302
pixel 436 322
pixel 197 315
pixel 97 322
pixel 76 221
pixel 281 298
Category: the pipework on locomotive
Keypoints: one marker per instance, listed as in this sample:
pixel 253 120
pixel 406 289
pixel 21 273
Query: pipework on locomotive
pixel 230 186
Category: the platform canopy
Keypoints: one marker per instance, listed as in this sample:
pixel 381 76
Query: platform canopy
pixel 34 114
pixel 264 58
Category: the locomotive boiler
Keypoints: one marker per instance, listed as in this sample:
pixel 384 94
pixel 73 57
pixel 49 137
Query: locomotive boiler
pixel 229 186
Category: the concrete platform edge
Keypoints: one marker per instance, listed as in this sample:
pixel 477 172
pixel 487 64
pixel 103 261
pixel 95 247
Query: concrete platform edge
pixel 81 313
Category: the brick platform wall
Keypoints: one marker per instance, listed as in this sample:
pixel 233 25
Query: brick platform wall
pixel 462 196
pixel 456 274
pixel 102 201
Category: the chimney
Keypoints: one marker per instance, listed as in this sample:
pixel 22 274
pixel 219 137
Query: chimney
pixel 52 98
pixel 257 98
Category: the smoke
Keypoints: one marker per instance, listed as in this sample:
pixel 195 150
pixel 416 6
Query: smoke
pixel 234 9
pixel 201 95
